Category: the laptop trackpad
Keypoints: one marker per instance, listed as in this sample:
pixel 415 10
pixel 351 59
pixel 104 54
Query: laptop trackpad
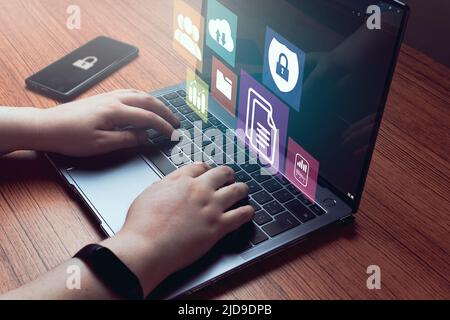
pixel 111 185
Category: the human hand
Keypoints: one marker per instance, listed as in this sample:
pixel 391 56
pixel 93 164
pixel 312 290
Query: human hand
pixel 102 123
pixel 178 220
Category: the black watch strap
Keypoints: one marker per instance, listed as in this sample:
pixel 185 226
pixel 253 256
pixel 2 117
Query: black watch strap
pixel 111 271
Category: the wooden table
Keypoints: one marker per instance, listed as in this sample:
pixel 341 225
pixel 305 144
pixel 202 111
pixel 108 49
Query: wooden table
pixel 403 225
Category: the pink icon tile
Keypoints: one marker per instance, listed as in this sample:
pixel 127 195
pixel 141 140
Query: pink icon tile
pixel 302 169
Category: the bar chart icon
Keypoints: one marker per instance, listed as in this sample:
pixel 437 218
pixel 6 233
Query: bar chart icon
pixel 301 170
pixel 197 94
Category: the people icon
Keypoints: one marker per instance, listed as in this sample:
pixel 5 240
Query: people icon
pixel 188 35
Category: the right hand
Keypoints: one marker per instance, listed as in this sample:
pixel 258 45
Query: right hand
pixel 178 220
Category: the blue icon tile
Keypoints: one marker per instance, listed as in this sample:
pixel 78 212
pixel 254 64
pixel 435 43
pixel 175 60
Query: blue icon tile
pixel 283 70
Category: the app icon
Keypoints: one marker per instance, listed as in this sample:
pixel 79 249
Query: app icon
pixel 263 122
pixel 283 69
pixel 86 63
pixel 224 86
pixel 197 94
pixel 302 169
pixel 222 31
pixel 260 127
pixel 188 33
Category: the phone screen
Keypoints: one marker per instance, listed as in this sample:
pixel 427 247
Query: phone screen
pixel 81 65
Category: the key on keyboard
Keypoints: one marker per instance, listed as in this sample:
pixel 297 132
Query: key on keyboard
pixel 261 218
pixel 193 117
pixel 274 208
pixel 300 211
pixel 257 236
pixel 250 168
pixel 259 177
pixel 282 223
pixel 272 186
pixel 171 96
pixel 184 110
pixel 253 187
pixel 293 189
pixel 283 196
pixel 262 197
pixel 214 121
pixel 254 205
pixel 177 103
pixel 242 177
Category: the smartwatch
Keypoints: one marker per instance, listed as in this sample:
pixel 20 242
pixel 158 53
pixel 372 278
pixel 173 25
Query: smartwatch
pixel 111 271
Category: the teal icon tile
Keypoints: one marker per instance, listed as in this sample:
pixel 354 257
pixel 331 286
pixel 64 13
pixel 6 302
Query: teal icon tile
pixel 221 31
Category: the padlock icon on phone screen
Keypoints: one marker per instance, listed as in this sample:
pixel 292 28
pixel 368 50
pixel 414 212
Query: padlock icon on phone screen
pixel 86 63
pixel 283 67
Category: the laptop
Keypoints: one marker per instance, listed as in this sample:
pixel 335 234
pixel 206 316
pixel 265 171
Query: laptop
pixel 298 87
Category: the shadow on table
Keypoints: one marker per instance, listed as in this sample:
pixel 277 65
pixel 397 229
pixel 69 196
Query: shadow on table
pixel 263 268
pixel 34 170
pixel 24 167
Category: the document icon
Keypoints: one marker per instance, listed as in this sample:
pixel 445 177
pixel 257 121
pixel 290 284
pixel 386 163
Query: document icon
pixel 260 127
pixel 224 85
pixel 262 123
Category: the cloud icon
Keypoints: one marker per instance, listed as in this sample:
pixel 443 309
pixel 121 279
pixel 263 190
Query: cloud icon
pixel 220 31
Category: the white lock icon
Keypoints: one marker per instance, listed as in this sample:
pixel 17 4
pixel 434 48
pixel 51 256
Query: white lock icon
pixel 86 63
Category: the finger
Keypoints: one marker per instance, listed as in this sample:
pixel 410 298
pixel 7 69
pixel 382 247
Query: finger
pixel 127 116
pixel 219 177
pixel 233 220
pixel 232 194
pixel 140 99
pixel 193 170
pixel 116 140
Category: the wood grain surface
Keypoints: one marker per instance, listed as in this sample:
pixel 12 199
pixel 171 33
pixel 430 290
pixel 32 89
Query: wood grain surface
pixel 403 225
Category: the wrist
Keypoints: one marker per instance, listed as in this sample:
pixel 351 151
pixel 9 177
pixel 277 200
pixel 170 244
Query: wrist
pixel 19 128
pixel 44 129
pixel 140 257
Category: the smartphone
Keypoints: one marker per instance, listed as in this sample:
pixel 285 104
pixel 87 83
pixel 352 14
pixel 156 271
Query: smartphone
pixel 78 71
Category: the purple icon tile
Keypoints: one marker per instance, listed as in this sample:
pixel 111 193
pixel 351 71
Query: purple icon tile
pixel 263 122
pixel 302 169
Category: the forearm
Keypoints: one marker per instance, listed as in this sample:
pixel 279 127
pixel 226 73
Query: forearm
pixel 74 280
pixel 60 284
pixel 19 129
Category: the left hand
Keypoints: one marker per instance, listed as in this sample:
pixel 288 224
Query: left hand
pixel 91 126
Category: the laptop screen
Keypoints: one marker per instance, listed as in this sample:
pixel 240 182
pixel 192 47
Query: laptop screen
pixel 303 81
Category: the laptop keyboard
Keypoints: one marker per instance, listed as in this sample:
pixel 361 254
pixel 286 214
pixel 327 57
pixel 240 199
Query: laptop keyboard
pixel 279 205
